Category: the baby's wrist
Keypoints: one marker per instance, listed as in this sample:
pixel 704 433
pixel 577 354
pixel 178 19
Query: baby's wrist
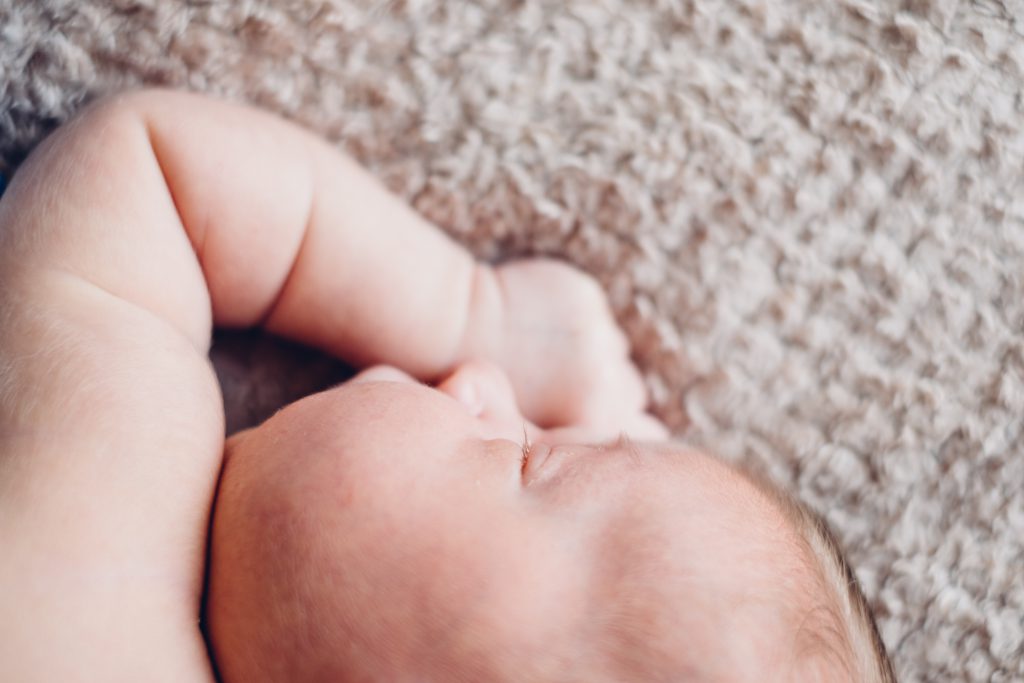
pixel 482 336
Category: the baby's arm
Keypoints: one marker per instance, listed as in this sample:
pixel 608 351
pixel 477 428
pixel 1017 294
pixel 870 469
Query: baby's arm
pixel 122 241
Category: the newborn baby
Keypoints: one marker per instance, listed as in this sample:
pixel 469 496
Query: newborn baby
pixel 387 531
pixel 487 502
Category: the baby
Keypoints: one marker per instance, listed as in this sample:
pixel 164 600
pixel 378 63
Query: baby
pixel 518 518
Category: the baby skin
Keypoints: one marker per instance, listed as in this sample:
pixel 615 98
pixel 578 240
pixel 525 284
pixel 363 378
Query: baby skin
pixel 488 501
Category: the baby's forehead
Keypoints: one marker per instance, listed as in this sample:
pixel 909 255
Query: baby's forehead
pixel 681 579
pixel 715 524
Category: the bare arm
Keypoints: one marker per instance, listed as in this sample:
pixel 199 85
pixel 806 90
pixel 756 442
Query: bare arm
pixel 284 231
pixel 124 239
pixel 127 236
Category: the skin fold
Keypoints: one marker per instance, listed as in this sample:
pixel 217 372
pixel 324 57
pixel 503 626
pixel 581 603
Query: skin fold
pixel 400 503
pixel 409 535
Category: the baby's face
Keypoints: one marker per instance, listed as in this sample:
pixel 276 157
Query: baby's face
pixel 385 530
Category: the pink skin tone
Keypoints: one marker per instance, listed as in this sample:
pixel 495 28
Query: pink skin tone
pixel 151 218
pixel 420 545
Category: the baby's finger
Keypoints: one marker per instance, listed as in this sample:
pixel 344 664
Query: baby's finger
pixel 616 390
pixel 646 427
pixel 639 427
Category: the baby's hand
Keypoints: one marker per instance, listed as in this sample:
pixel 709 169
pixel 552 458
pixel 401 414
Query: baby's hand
pixel 564 353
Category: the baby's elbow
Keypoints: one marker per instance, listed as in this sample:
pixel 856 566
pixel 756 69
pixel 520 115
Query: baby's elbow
pixel 114 126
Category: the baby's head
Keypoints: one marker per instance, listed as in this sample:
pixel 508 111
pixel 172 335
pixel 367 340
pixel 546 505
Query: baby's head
pixel 388 531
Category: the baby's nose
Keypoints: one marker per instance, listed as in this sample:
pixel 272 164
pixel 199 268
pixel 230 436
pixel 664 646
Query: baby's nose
pixel 383 373
pixel 485 390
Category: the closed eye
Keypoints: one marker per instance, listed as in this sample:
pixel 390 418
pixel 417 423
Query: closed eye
pixel 526 450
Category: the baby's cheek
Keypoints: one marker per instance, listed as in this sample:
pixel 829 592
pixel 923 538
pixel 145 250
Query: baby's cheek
pixel 526 619
pixel 477 590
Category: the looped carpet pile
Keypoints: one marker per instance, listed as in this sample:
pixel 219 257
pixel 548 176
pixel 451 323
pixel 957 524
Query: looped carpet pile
pixel 809 215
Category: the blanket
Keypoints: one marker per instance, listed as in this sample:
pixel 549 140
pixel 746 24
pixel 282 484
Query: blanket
pixel 809 217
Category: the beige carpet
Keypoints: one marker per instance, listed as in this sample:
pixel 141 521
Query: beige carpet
pixel 810 215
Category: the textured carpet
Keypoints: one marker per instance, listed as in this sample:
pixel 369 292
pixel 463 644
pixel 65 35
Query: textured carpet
pixel 810 217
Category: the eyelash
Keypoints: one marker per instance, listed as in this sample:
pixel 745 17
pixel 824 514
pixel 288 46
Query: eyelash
pixel 526 449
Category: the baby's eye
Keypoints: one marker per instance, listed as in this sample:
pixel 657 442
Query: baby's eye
pixel 526 450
